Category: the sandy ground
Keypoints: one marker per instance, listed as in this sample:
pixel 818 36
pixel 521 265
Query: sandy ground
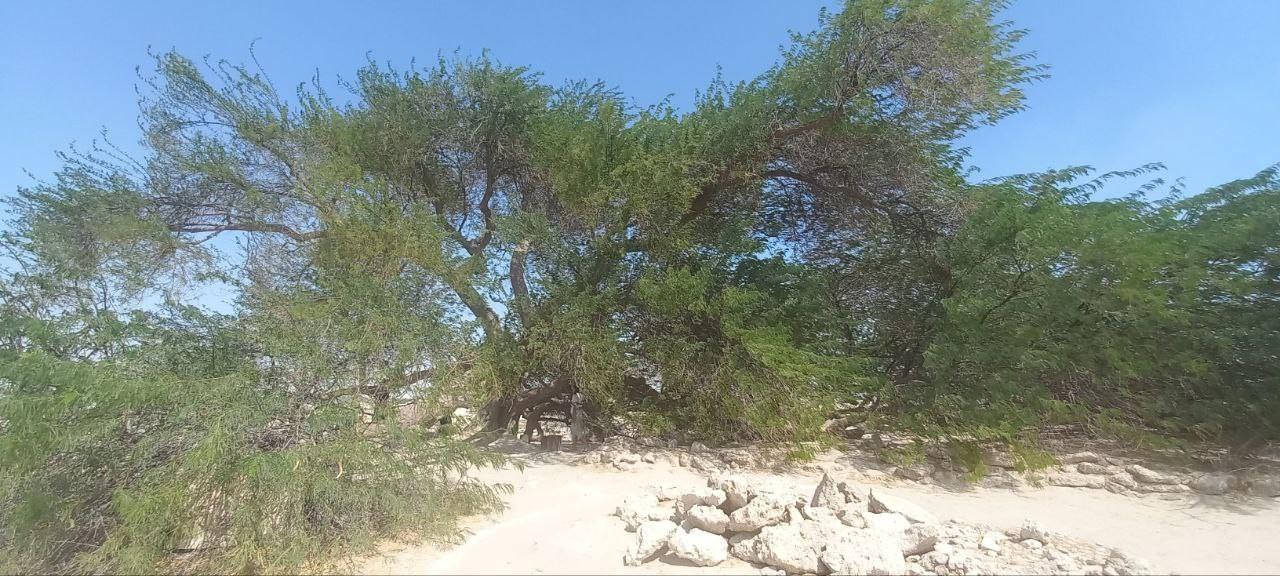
pixel 559 522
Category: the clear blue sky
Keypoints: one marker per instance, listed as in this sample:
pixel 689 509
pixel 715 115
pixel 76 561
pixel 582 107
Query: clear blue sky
pixel 1191 84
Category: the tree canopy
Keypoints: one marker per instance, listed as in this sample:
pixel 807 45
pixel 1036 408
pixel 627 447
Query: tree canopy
pixel 797 247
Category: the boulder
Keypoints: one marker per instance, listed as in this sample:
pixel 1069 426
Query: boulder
pixel 1212 484
pixel 649 458
pixel 1075 480
pixel 863 552
pixel 708 518
pixel 887 522
pixel 665 493
pixel 819 514
pixel 628 458
pixel 640 508
pixel 795 546
pixel 827 493
pixel 1148 476
pixel 763 510
pixel 853 516
pixel 736 491
pixel 684 459
pixel 919 539
pixel 1123 479
pixel 651 538
pixel 699 497
pixel 880 502
pixel 698 448
pixel 1032 530
pixel 1264 486
pixel 1091 468
pixel 699 547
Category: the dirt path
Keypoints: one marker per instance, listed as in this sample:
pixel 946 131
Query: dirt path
pixel 559 523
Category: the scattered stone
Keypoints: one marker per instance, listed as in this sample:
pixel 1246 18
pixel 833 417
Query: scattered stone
pixel 628 458
pixel 708 518
pixel 1032 544
pixel 999 459
pixel 685 460
pixel 1079 457
pixel 1002 480
pixel 651 538
pixel 951 477
pixel 1075 480
pixel 1163 488
pixel 914 473
pixel 882 502
pixel 705 464
pixel 698 448
pixel 763 510
pixel 1212 484
pixel 1148 476
pixel 1091 468
pixel 699 547
pixel 649 458
pixel 875 475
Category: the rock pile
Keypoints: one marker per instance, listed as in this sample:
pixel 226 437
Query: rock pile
pixel 843 529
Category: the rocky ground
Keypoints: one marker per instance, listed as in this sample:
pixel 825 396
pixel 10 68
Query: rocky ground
pixel 563 517
pixel 1126 475
pixel 843 528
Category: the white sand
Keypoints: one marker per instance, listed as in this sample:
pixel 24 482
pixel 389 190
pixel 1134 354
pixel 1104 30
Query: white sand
pixel 559 522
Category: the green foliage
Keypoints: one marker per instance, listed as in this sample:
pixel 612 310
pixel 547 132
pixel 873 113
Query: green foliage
pixel 797 247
